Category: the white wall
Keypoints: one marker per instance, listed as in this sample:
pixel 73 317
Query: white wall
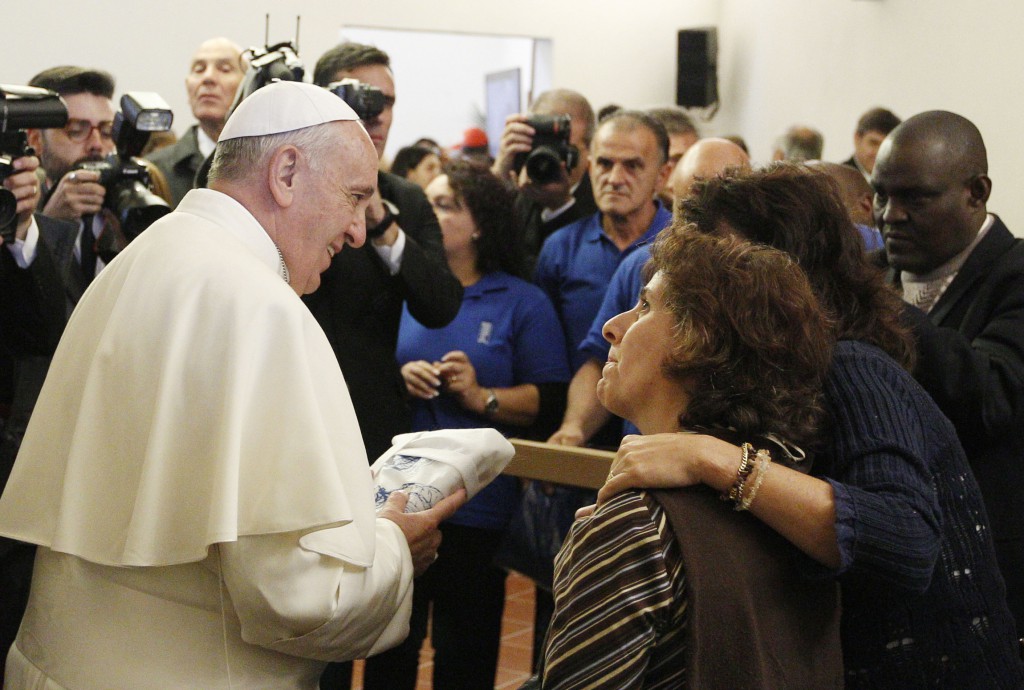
pixel 822 62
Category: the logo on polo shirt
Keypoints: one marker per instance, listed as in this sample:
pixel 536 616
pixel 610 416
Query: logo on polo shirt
pixel 484 337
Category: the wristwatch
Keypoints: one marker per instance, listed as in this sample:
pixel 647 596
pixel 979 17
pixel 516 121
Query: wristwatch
pixel 390 211
pixel 491 406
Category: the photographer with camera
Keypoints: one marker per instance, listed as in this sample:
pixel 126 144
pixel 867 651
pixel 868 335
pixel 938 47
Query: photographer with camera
pixel 214 74
pixel 359 303
pixel 561 193
pixel 88 93
pixel 32 310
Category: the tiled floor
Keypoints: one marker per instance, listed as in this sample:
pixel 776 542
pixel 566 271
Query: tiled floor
pixel 516 641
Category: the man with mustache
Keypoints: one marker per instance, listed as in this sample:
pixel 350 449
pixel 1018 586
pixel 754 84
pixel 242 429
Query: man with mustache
pixel 962 272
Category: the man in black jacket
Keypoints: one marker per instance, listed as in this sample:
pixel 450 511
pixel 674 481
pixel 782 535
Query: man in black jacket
pixel 359 302
pixel 34 305
pixel 963 273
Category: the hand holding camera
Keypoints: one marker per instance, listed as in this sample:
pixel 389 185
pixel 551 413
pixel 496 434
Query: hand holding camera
pixel 23 186
pixel 79 193
pixel 536 150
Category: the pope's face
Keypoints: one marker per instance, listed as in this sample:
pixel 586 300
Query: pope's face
pixel 331 206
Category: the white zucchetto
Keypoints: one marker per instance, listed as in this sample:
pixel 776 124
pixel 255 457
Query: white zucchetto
pixel 285 106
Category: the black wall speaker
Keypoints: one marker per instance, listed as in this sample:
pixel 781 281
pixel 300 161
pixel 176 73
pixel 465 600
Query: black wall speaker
pixel 697 78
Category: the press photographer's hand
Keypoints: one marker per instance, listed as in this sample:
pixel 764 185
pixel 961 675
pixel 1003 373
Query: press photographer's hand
pixel 78 194
pixel 24 185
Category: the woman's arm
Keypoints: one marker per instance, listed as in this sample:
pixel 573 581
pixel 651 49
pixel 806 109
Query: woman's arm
pixel 799 507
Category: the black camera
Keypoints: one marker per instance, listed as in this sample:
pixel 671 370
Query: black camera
pixel 21 108
pixel 550 149
pixel 278 62
pixel 125 176
pixel 366 100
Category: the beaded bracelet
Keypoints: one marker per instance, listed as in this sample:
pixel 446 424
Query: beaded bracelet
pixel 764 460
pixel 735 492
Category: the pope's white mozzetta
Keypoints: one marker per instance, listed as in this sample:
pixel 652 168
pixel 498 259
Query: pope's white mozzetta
pixel 193 472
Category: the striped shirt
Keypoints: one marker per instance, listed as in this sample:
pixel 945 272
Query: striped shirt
pixel 620 606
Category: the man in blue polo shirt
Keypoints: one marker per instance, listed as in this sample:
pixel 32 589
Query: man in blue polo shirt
pixel 629 164
pixel 584 414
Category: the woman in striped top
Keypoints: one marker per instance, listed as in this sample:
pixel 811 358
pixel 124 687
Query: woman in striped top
pixel 676 589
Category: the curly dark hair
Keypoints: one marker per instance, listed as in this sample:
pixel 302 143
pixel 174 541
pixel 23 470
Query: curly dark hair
pixel 798 209
pixel 408 157
pixel 751 341
pixel 489 202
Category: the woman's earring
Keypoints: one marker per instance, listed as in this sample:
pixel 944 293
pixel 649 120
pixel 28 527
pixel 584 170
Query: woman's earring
pixel 475 235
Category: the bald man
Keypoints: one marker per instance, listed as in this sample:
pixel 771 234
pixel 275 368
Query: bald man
pixel 706 158
pixel 857 197
pixel 963 273
pixel 214 74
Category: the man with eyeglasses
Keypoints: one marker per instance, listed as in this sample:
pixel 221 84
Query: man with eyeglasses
pixel 88 93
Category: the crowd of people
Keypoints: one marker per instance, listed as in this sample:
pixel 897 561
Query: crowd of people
pixel 812 374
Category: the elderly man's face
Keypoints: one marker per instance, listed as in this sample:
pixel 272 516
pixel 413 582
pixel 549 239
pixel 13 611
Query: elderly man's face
pixel 331 206
pixel 212 80
pixel 923 205
pixel 626 169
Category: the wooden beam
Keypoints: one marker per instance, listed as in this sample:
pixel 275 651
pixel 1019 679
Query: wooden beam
pixel 548 462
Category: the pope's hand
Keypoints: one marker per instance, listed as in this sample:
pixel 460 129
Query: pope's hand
pixel 421 529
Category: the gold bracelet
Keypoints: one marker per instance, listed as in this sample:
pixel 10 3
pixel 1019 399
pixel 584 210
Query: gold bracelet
pixel 735 492
pixel 764 459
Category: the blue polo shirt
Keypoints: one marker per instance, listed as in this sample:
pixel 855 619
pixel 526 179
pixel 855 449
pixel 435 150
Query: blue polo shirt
pixel 510 332
pixel 574 267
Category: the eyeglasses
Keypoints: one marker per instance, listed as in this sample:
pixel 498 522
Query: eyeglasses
pixel 80 130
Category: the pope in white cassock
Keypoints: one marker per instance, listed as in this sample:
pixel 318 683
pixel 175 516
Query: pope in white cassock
pixel 193 473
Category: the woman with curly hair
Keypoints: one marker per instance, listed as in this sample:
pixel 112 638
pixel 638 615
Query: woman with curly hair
pixel 676 588
pixel 891 509
pixel 500 363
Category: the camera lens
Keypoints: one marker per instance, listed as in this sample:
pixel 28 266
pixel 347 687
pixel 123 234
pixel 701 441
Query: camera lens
pixel 543 165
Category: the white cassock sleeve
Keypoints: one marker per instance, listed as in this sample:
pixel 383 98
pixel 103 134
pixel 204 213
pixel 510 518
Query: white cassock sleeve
pixel 306 604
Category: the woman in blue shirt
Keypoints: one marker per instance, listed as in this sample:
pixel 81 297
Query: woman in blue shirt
pixel 501 363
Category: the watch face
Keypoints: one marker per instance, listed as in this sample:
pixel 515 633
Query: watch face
pixel 492 404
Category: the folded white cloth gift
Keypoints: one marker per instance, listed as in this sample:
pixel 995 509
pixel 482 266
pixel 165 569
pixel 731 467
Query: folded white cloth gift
pixel 431 465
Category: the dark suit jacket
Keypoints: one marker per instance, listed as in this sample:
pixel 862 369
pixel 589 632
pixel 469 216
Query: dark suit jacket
pixel 34 307
pixel 971 361
pixel 359 305
pixel 179 163
pixel 527 225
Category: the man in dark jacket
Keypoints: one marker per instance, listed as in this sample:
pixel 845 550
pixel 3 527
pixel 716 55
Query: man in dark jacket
pixel 963 273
